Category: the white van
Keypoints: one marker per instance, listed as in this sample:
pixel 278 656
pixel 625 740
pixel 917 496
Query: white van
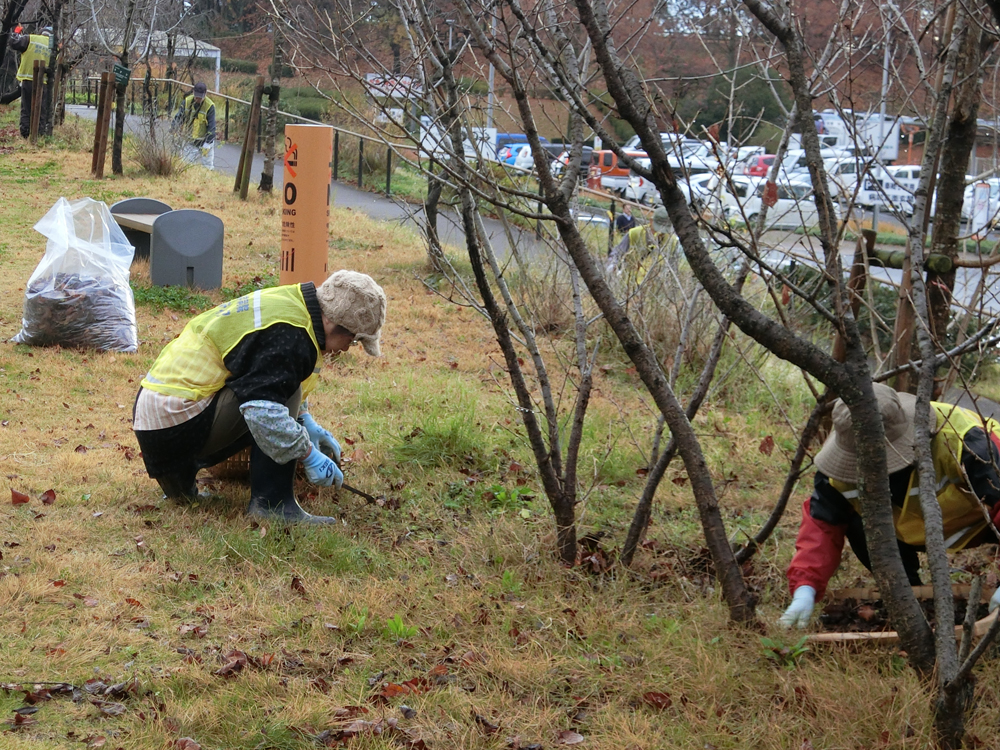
pixel 794 208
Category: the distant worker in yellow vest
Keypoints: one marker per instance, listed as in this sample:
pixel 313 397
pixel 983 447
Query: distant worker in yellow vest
pixel 237 377
pixel 32 47
pixel 965 452
pixel 196 120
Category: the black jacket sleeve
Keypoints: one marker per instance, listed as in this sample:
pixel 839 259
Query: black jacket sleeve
pixel 980 459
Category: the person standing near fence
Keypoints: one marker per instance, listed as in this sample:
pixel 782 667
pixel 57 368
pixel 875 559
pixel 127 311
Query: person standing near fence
pixel 196 119
pixel 32 47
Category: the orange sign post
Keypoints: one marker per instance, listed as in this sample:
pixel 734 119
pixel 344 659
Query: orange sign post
pixel 305 204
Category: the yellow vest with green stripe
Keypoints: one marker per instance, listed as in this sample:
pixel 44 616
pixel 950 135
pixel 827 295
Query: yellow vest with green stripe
pixel 197 121
pixel 961 511
pixel 191 366
pixel 38 49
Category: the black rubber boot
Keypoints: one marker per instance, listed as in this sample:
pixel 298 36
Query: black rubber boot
pixel 272 491
pixel 181 486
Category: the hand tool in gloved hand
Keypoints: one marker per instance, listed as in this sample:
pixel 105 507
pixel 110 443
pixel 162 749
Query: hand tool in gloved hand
pixel 345 486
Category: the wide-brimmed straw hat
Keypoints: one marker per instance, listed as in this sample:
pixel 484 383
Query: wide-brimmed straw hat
pixel 838 457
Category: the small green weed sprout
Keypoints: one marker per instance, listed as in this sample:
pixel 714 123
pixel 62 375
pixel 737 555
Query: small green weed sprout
pixel 662 625
pixel 397 630
pixel 782 655
pixel 509 582
pixel 357 619
pixel 499 499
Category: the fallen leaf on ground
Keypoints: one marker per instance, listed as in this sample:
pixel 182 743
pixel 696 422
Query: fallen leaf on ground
pixel 18 498
pixel 48 497
pixel 236 661
pixel 297 586
pixel 569 737
pixel 110 709
pixel 657 700
pixel 486 725
pixel 186 743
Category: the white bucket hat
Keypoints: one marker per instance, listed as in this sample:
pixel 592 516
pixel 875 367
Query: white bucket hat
pixel 838 458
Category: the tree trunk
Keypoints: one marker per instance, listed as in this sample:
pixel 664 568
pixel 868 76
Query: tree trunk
pixel 48 92
pixel 959 140
pixel 119 139
pixel 435 253
pixel 10 18
pixel 267 173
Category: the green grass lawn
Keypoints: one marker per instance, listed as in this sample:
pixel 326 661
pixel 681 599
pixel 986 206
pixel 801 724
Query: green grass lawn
pixel 438 617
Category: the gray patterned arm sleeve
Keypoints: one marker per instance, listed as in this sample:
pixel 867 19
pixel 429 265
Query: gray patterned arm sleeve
pixel 276 431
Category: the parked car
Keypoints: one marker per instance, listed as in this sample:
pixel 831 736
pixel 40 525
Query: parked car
pixel 563 159
pixel 524 160
pixel 867 185
pixel 757 165
pixel 509 153
pixel 505 139
pixel 607 172
pixel 641 190
pixel 722 196
pixel 794 208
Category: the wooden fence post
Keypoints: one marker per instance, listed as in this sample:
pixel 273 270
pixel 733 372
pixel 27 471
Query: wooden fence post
pixel 104 121
pixel 388 170
pixel 361 160
pixel 97 125
pixel 37 94
pixel 242 184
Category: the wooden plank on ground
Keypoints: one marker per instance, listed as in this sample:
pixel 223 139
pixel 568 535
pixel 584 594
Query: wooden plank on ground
pixel 891 636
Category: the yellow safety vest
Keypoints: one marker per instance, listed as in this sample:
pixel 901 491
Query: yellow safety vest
pixel 961 511
pixel 197 121
pixel 38 49
pixel 191 366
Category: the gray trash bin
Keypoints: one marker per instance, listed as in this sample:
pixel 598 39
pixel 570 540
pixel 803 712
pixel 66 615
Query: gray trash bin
pixel 186 250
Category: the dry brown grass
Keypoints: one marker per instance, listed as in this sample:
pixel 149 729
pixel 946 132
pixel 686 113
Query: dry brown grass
pixel 109 581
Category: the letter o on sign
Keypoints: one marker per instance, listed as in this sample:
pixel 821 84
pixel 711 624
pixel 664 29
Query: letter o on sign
pixel 290 193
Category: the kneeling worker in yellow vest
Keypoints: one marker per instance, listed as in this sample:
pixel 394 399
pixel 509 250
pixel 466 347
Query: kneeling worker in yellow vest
pixel 965 451
pixel 237 377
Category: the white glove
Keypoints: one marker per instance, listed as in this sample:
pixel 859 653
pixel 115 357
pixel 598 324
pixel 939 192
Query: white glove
pixel 801 608
pixel 995 600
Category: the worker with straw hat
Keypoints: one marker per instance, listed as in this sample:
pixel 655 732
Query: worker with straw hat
pixel 965 451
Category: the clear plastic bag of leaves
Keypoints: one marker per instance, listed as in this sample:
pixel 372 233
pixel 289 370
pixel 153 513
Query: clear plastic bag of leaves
pixel 79 295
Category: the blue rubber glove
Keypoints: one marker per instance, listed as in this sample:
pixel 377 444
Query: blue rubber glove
pixel 801 608
pixel 322 471
pixel 319 437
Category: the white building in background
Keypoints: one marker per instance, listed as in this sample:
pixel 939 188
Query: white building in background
pixel 186 47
